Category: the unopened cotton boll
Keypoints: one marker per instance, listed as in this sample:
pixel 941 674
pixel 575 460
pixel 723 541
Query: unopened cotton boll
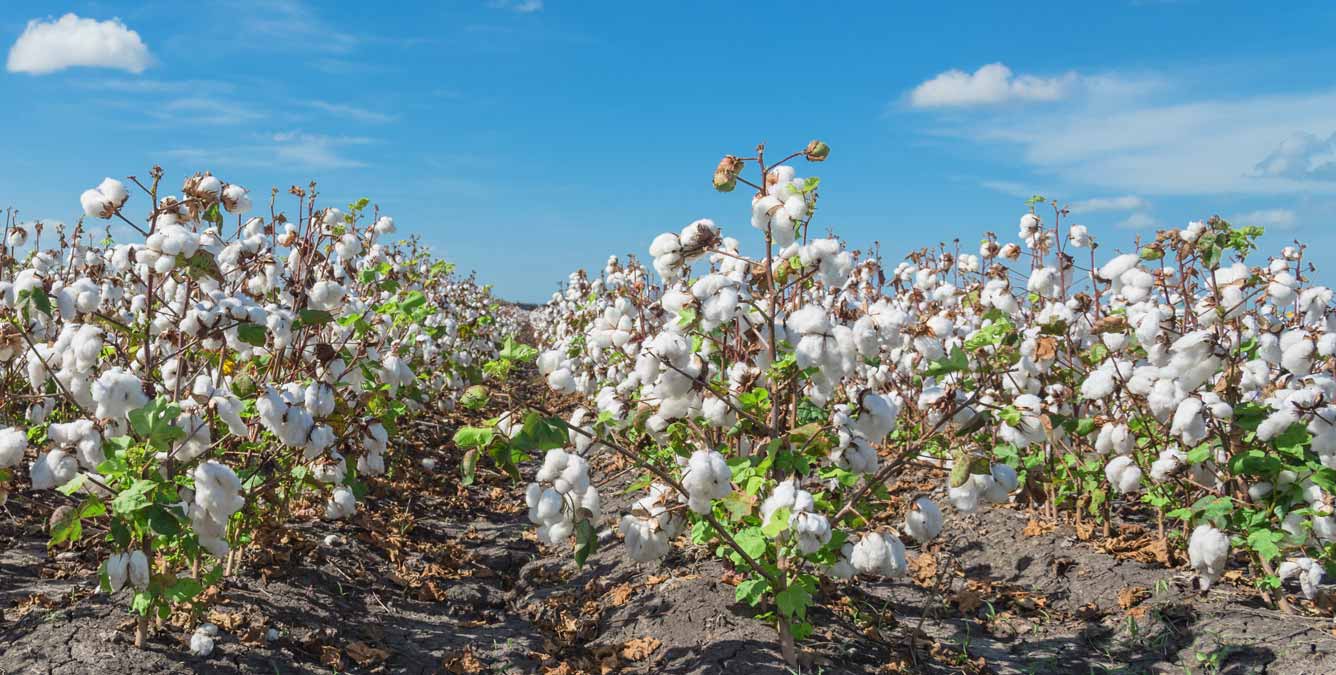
pixel 1208 553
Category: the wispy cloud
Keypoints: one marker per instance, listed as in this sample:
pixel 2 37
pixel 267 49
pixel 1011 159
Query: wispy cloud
pixel 206 111
pixel 1303 155
pixel 1124 203
pixel 1272 219
pixel 353 112
pixel 517 6
pixel 56 44
pixel 292 22
pixel 297 149
pixel 152 86
pixel 1140 220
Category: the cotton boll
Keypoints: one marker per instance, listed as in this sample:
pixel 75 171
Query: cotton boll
pixel 924 521
pixel 13 444
pixel 138 570
pixel 117 568
pixel 1123 474
pixel 201 644
pixel 53 469
pixel 1308 571
pixel 964 498
pixel 879 555
pixel 341 504
pixel 1208 553
pixel 707 477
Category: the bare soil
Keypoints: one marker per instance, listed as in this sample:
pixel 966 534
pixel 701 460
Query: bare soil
pixel 435 577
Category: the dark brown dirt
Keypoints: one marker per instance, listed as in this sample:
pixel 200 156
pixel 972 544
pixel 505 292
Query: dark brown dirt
pixel 433 577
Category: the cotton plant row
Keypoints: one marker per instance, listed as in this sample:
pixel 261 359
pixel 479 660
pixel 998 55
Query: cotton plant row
pixel 217 366
pixel 772 395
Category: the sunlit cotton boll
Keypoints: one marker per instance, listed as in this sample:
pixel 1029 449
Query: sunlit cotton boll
pixel 924 521
pixel 879 555
pixel 1208 553
pixel 1123 474
pixel 707 477
pixel 13 443
pixel 104 200
pixel 341 504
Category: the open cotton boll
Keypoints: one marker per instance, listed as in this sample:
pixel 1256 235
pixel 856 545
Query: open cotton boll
pixel 1123 474
pixel 707 477
pixel 965 498
pixel 1208 553
pixel 104 200
pixel 812 531
pixel 137 570
pixel 1078 236
pixel 117 569
pixel 1309 572
pixel 342 503
pixel 13 444
pixel 879 555
pixel 326 295
pixel 53 469
pixel 1167 464
pixel 924 521
pixel 1005 481
pixel 1189 424
pixel 201 642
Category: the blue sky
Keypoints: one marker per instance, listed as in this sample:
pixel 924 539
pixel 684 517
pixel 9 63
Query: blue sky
pixel 525 139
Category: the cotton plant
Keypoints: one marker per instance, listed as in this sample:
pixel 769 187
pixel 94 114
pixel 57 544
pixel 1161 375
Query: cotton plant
pixel 166 380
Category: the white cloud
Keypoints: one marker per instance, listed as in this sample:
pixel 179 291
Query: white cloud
pixel 296 149
pixel 517 6
pixel 353 112
pixel 52 45
pixel 989 85
pixel 204 110
pixel 1302 155
pixel 1124 203
pixel 1272 219
pixel 1121 139
pixel 1138 221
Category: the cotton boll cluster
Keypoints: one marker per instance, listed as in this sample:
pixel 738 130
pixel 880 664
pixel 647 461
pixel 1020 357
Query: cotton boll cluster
pixel 783 208
pixel 217 497
pixel 569 499
pixel 810 529
pixel 375 441
pixel 123 568
pixel 650 527
pixel 673 252
pixel 858 438
pixel 1308 571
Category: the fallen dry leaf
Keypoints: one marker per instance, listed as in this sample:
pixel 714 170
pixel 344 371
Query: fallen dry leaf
pixel 638 649
pixel 366 655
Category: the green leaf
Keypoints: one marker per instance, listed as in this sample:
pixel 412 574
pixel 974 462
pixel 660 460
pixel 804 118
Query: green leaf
pixel 133 498
pixel 475 397
pixel 251 334
pixel 142 602
pixel 586 541
pixel 183 590
pixel 778 522
pixel 794 600
pixel 314 317
pixel 474 437
pixel 516 351
pixel 751 540
pixel 954 362
pixel 1264 542
pixel 163 521
pixel 751 591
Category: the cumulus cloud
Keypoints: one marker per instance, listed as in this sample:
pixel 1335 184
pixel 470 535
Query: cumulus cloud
pixel 70 41
pixel 989 85
pixel 1301 155
pixel 1124 203
pixel 1272 219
